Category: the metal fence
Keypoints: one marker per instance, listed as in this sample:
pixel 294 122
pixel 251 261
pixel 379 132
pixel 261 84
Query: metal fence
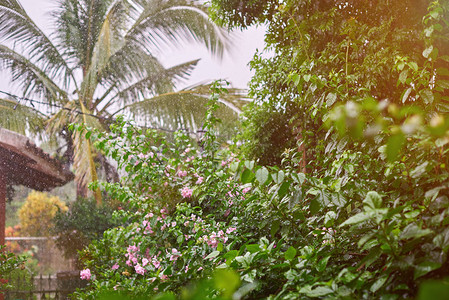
pixel 55 287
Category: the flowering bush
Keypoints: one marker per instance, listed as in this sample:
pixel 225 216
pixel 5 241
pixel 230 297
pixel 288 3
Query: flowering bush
pixel 348 231
pixel 8 263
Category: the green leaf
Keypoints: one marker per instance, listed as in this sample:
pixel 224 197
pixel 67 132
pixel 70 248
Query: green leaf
pixel 358 218
pixel 372 256
pixel 249 164
pixel 317 292
pixel 262 175
pixel 443 71
pixel 275 227
pixel 394 145
pixel 372 200
pixel 322 263
pixel 379 283
pixel 283 189
pixel 314 206
pixel 253 248
pixel 329 218
pixel 413 65
pixel 435 290
pixel 413 231
pixel 331 98
pixel 229 256
pixel 295 78
pixel 226 281
pixel 247 176
pixel 403 76
pixel 419 170
pixel 427 96
pixel 425 267
pixel 279 177
pixel 290 253
pixel 426 53
pixel 444 84
pixel 212 255
pixel 406 94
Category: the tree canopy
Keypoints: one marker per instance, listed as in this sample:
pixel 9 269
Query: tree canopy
pixel 100 61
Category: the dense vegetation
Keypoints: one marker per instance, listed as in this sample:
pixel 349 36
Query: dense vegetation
pixel 339 189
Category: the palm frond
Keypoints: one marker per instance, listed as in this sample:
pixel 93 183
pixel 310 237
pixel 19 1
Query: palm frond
pixel 17 27
pixel 79 24
pixel 155 83
pixel 32 79
pixel 71 114
pixel 21 118
pixel 182 109
pixel 174 22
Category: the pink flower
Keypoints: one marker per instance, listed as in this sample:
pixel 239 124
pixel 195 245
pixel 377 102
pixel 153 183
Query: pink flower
pixel 156 263
pixel 246 190
pixel 187 150
pixel 145 262
pixel 139 269
pixel 230 229
pixel 85 274
pixel 200 180
pixel 165 183
pixel 115 266
pixel 186 192
pixel 182 173
pixel 213 242
pixel 175 254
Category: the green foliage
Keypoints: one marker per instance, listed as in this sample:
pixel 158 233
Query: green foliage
pixel 82 223
pixel 100 59
pixel 8 263
pixel 358 211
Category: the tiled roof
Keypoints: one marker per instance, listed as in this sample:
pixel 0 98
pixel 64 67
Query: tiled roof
pixel 24 163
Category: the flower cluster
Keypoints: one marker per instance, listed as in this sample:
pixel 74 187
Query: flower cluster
pixel 85 274
pixel 186 192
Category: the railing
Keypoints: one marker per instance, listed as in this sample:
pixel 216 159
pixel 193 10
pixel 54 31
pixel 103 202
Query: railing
pixel 55 287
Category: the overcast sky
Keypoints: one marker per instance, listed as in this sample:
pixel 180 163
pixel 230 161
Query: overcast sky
pixel 233 67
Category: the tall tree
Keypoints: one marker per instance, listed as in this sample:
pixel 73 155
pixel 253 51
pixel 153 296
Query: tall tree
pixel 100 60
pixel 329 52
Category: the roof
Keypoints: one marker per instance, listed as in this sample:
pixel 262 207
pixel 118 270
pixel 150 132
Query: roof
pixel 22 162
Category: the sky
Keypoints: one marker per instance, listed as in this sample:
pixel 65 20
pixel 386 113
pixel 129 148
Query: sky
pixel 233 67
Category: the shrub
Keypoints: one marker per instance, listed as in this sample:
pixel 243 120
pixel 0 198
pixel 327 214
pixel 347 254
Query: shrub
pixel 37 213
pixel 83 222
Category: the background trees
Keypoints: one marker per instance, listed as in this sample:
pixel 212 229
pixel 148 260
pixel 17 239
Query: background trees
pixel 331 52
pixel 100 61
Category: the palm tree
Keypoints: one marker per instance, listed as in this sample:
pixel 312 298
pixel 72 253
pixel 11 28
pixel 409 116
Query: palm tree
pixel 99 62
